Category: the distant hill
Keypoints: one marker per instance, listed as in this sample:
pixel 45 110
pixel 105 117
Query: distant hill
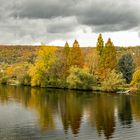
pixel 20 53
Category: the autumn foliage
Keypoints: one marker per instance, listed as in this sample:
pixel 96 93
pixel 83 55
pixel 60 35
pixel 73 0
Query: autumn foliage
pixel 72 67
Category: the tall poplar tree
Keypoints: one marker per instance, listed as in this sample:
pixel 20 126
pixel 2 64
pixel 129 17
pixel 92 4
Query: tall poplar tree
pixel 66 50
pixel 108 59
pixel 76 57
pixel 100 45
pixel 65 59
pixel 99 54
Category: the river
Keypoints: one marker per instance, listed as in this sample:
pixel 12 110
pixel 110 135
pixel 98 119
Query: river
pixel 52 114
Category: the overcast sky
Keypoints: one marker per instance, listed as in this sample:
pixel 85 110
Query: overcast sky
pixel 56 21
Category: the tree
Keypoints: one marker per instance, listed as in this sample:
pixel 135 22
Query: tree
pixel 80 79
pixel 66 50
pixel 112 81
pixel 126 67
pixel 76 57
pixel 136 79
pixel 109 55
pixel 39 71
pixel 98 61
pixel 92 62
pixel 20 73
pixel 65 60
pixel 136 56
pixel 100 45
pixel 108 60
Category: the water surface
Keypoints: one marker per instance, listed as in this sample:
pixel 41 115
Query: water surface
pixel 47 114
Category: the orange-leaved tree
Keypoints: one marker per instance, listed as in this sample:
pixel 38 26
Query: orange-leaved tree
pixel 76 56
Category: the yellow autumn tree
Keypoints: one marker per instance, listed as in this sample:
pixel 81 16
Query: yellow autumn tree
pixel 45 59
pixel 136 79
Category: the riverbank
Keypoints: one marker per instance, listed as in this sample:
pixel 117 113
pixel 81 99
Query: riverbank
pixel 119 90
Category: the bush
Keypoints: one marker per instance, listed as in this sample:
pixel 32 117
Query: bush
pixel 56 83
pixel 80 79
pixel 136 79
pixel 112 81
pixel 4 80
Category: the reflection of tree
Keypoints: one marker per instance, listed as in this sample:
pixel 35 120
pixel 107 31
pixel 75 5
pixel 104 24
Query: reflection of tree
pixel 19 94
pixel 35 99
pixel 43 105
pixel 71 112
pixel 104 115
pixel 124 111
pixel 3 95
pixel 70 104
pixel 135 104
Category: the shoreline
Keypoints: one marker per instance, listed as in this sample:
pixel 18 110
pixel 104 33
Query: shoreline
pixel 97 89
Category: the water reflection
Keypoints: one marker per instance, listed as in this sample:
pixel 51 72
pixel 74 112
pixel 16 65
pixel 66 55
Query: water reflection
pixel 125 114
pixel 75 112
pixel 104 115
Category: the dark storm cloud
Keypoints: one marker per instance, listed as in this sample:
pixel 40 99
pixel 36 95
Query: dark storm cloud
pixel 43 8
pixel 106 15
pixel 33 20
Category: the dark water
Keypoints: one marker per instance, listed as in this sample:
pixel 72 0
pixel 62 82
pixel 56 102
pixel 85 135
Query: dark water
pixel 40 114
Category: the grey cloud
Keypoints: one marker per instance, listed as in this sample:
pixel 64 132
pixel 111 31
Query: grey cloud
pixel 41 20
pixel 62 25
pixel 114 15
pixel 118 15
pixel 15 31
pixel 26 31
pixel 43 9
pixel 113 27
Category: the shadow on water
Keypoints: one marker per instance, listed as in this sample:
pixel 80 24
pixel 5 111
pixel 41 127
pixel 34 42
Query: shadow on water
pixel 73 109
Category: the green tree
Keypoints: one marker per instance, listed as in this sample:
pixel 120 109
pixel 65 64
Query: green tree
pixel 76 57
pixel 100 45
pixel 108 59
pixel 65 60
pixel 112 81
pixel 80 79
pixel 98 61
pixel 66 50
pixel 126 67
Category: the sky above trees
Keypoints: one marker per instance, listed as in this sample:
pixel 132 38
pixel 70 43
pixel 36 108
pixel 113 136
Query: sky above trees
pixel 55 21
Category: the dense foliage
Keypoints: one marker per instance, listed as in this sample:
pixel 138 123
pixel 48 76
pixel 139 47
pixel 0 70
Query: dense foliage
pixel 80 79
pixel 106 66
pixel 76 57
pixel 127 67
pixel 39 71
pixel 136 79
pixel 112 81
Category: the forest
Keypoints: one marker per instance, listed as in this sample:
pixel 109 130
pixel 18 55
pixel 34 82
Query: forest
pixel 105 67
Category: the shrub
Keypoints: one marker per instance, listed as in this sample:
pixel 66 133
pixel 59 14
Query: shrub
pixel 112 81
pixel 136 79
pixel 4 80
pixel 56 83
pixel 80 79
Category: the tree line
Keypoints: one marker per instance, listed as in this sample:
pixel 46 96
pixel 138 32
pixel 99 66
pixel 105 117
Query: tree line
pixel 69 68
